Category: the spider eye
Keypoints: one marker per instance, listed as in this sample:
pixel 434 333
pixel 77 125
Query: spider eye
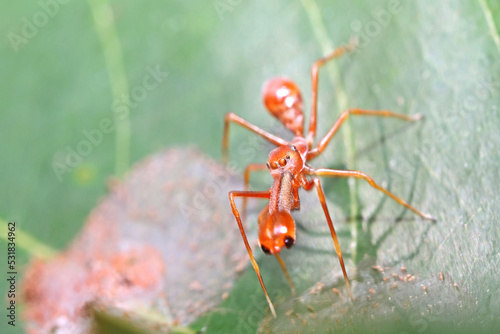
pixel 287 157
pixel 282 162
pixel 274 165
pixel 265 249
pixel 289 241
pixel 293 148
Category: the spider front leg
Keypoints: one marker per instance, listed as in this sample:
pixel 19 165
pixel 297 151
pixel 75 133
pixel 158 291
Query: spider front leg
pixel 369 179
pixel 250 194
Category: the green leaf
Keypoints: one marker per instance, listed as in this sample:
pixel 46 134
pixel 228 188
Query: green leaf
pixel 442 61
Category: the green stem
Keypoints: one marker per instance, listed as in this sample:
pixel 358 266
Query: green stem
pixel 26 242
pixel 324 40
pixel 491 23
pixel 113 55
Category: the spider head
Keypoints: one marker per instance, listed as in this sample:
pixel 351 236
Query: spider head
pixel 283 159
pixel 283 100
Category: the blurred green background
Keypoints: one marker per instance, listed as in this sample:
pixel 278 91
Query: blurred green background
pixel 64 75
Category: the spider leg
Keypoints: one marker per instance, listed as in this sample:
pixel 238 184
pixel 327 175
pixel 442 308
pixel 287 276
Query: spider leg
pixel 345 115
pixel 230 117
pixel 314 76
pixel 369 179
pixel 246 176
pixel 250 194
pixel 321 195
